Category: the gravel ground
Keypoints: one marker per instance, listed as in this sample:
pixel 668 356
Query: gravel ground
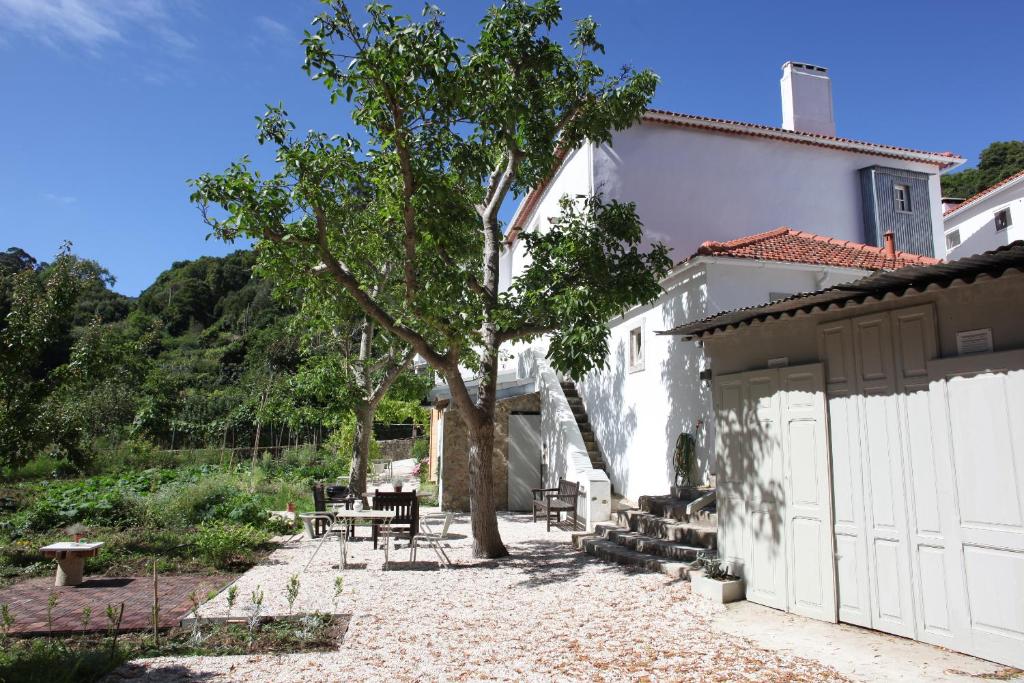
pixel 547 613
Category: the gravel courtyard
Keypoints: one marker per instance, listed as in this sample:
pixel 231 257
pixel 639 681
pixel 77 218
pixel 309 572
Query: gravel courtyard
pixel 547 613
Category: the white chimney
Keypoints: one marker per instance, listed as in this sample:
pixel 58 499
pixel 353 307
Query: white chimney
pixel 807 99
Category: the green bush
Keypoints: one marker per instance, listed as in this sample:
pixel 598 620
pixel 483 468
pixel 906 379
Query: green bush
pixel 222 544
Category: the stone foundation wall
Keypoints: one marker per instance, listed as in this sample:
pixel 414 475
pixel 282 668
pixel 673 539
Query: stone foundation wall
pixel 455 469
pixel 396 449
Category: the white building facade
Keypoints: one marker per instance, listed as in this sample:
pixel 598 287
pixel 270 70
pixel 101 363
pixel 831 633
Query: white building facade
pixel 988 220
pixel 695 180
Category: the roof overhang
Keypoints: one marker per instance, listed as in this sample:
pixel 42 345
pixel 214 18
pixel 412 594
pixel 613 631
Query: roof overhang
pixel 873 287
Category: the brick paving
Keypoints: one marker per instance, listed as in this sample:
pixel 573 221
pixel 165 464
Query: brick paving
pixel 27 601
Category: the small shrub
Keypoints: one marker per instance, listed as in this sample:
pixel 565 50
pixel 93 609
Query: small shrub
pixel 219 543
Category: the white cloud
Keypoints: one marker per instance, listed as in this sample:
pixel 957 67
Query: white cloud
pixel 59 198
pixel 89 23
pixel 272 27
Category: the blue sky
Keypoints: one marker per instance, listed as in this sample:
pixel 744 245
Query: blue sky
pixel 110 105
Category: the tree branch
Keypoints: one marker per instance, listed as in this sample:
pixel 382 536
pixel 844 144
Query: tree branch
pixel 346 279
pixel 523 331
pixel 390 377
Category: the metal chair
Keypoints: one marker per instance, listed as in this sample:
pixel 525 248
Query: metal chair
pixel 428 537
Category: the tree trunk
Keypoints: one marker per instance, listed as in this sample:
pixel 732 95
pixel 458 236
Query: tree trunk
pixel 361 447
pixel 483 515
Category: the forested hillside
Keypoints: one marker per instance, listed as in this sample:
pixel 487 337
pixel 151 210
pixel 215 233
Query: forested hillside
pixel 997 161
pixel 204 357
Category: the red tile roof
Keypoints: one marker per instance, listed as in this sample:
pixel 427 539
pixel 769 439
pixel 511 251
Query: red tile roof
pixel 986 192
pixel 797 246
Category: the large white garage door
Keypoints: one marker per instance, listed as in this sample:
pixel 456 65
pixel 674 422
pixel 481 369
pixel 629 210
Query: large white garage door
pixel 928 474
pixel 775 526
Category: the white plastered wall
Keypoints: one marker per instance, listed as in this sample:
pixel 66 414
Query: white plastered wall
pixel 977 227
pixel 637 414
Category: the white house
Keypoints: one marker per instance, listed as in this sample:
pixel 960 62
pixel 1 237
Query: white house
pixel 989 219
pixel 698 180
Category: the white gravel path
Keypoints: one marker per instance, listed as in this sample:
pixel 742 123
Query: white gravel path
pixel 547 613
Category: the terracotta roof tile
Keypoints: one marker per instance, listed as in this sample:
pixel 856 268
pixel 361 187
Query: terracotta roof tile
pixel 984 193
pixel 797 246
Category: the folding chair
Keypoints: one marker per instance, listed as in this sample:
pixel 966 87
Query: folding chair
pixel 428 537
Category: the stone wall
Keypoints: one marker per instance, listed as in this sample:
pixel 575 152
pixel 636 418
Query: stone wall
pixel 396 449
pixel 455 468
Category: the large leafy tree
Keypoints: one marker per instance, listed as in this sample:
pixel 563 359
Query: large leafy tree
pixel 38 319
pixel 998 161
pixel 451 129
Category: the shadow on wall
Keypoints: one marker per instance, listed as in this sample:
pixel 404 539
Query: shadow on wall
pixel 750 474
pixel 689 399
pixel 613 422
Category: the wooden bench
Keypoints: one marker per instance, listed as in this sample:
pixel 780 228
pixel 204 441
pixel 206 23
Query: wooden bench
pixel 556 501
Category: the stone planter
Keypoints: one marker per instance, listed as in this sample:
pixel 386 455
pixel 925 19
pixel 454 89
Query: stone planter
pixel 717 591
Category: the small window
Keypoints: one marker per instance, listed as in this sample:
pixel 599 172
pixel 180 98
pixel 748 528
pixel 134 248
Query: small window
pixel 953 238
pixel 636 349
pixel 901 198
pixel 1003 220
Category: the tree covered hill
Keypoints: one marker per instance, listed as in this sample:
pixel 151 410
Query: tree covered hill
pixel 205 356
pixel 998 161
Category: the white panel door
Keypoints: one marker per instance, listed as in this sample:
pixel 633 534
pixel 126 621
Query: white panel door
pixel 763 491
pixel 524 452
pixel 731 448
pixel 980 456
pixel 773 487
pixel 835 348
pixel 885 515
pixel 808 493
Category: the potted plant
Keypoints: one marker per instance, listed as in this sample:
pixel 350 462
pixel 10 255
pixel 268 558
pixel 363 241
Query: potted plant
pixel 713 580
pixel 77 531
pixel 396 483
pixel 290 507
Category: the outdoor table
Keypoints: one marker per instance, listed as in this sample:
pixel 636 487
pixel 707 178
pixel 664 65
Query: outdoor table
pixel 344 517
pixel 70 558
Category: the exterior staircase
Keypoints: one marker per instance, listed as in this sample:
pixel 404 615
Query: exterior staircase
pixel 583 422
pixel 658 534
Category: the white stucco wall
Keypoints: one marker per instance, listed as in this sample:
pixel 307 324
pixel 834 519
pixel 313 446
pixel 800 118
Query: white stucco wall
pixel 976 223
pixel 637 415
pixel 694 185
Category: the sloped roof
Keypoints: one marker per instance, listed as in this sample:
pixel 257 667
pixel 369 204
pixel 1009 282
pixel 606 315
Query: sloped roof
pixel 797 246
pixel 943 160
pixel 875 286
pixel 1012 180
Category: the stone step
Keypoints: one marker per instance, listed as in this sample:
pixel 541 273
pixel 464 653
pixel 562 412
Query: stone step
pixel 698 535
pixel 670 506
pixel 613 552
pixel 651 545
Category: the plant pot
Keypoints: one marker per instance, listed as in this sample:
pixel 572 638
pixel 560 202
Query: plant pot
pixel 290 507
pixel 78 538
pixel 398 488
pixel 717 591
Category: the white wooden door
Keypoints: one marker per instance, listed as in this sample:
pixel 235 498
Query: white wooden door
pixel 808 492
pixel 976 401
pixel 881 457
pixel 773 487
pixel 524 453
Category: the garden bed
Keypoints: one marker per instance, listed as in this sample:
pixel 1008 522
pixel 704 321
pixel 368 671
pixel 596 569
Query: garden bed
pixel 89 657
